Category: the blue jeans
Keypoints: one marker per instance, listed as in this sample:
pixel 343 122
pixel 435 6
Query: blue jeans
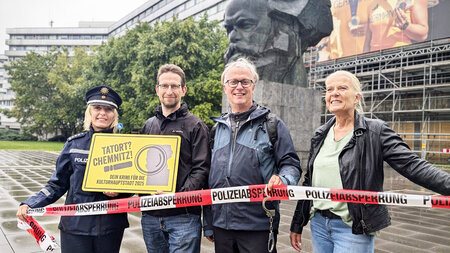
pixel 334 236
pixel 179 233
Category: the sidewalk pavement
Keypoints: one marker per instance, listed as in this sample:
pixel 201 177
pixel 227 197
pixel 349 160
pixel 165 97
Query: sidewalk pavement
pixel 23 173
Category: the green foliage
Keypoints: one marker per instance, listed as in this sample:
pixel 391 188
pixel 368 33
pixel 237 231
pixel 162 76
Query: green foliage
pixel 130 64
pixel 49 91
pixel 50 87
pixel 29 81
pixel 13 135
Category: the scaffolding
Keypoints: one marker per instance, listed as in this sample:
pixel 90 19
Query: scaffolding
pixel 408 87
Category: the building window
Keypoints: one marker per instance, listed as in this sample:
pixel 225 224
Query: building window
pixel 179 9
pixel 189 4
pixel 161 4
pixel 211 11
pixel 149 11
pixel 221 6
pixel 170 14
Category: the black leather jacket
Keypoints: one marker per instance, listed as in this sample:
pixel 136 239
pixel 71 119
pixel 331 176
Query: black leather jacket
pixel 361 168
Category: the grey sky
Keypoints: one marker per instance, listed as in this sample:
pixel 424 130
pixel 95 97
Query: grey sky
pixel 64 13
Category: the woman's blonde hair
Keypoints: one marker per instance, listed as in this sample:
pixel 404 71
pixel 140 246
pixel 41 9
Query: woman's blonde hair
pixel 356 85
pixel 88 119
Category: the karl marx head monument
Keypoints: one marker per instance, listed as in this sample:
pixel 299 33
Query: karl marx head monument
pixel 275 33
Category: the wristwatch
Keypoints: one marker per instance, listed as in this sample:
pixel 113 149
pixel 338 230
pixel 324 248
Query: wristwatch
pixel 404 26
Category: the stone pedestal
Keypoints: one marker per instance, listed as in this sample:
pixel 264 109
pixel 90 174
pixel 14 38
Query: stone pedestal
pixel 298 107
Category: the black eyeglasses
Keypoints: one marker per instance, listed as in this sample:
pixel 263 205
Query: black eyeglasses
pixel 233 83
pixel 171 86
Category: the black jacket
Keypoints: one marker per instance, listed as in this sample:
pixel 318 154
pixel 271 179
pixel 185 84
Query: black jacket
pixel 68 177
pixel 195 156
pixel 361 168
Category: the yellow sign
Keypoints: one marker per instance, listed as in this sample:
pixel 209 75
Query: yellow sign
pixel 424 146
pixel 132 163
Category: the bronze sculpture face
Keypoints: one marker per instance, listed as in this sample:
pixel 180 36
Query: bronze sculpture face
pixel 248 28
pixel 275 33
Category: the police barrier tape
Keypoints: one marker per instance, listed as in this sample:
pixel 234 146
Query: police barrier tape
pixel 252 193
pixel 43 239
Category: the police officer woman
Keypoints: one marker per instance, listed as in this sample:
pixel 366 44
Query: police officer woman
pixel 94 233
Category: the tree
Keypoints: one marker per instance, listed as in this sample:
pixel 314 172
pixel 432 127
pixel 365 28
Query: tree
pixel 67 78
pixel 50 87
pixel 130 64
pixel 49 90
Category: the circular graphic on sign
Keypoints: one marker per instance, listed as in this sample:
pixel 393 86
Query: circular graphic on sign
pixel 152 160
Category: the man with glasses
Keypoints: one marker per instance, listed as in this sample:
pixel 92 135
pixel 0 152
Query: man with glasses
pixel 177 229
pixel 243 154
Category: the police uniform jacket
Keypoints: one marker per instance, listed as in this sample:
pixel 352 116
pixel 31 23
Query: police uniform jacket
pixel 361 168
pixel 68 177
pixel 195 156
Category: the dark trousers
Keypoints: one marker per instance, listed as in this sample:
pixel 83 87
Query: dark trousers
pixel 240 241
pixel 109 243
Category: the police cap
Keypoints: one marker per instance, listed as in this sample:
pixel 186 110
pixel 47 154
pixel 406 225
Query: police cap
pixel 103 95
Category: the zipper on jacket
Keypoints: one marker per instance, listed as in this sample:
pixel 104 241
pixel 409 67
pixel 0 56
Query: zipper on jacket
pixel 228 172
pixel 236 128
pixel 359 133
pixel 227 177
pixel 233 138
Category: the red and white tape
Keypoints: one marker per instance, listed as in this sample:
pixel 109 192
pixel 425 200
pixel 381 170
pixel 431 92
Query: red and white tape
pixel 44 240
pixel 252 193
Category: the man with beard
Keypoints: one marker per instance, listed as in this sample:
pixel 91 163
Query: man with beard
pixel 274 35
pixel 177 229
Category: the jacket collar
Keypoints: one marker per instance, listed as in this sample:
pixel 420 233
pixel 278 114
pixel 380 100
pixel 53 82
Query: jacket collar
pixel 360 125
pixel 182 111
pixel 242 116
pixel 92 131
pixel 258 112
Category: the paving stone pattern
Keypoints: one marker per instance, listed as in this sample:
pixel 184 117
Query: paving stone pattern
pixel 23 173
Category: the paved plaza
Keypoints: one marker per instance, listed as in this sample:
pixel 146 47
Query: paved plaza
pixel 23 173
